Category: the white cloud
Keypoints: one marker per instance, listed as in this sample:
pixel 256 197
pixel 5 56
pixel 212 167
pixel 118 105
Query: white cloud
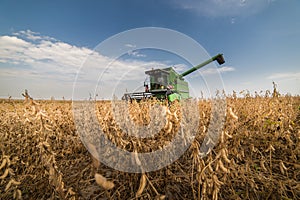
pixel 226 69
pixel 45 56
pixel 56 59
pixel 221 8
pixel 130 45
pixel 30 35
pixel 41 60
pixel 180 67
pixel 285 76
pixel 136 53
pixel 223 69
pixel 11 41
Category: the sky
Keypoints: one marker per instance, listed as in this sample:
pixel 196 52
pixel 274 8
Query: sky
pixel 52 47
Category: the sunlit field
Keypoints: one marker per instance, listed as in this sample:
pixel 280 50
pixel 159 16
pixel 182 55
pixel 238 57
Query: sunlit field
pixel 256 157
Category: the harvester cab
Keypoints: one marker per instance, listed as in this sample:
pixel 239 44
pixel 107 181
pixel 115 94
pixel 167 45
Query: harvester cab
pixel 168 84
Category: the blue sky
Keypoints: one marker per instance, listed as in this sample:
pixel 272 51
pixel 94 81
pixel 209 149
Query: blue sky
pixel 44 43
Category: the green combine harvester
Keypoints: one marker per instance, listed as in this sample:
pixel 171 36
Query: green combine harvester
pixel 168 84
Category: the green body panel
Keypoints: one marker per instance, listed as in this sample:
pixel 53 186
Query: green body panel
pixel 182 88
pixel 173 97
pixel 160 79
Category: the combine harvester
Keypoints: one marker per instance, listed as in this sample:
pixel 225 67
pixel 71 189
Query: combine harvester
pixel 168 84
